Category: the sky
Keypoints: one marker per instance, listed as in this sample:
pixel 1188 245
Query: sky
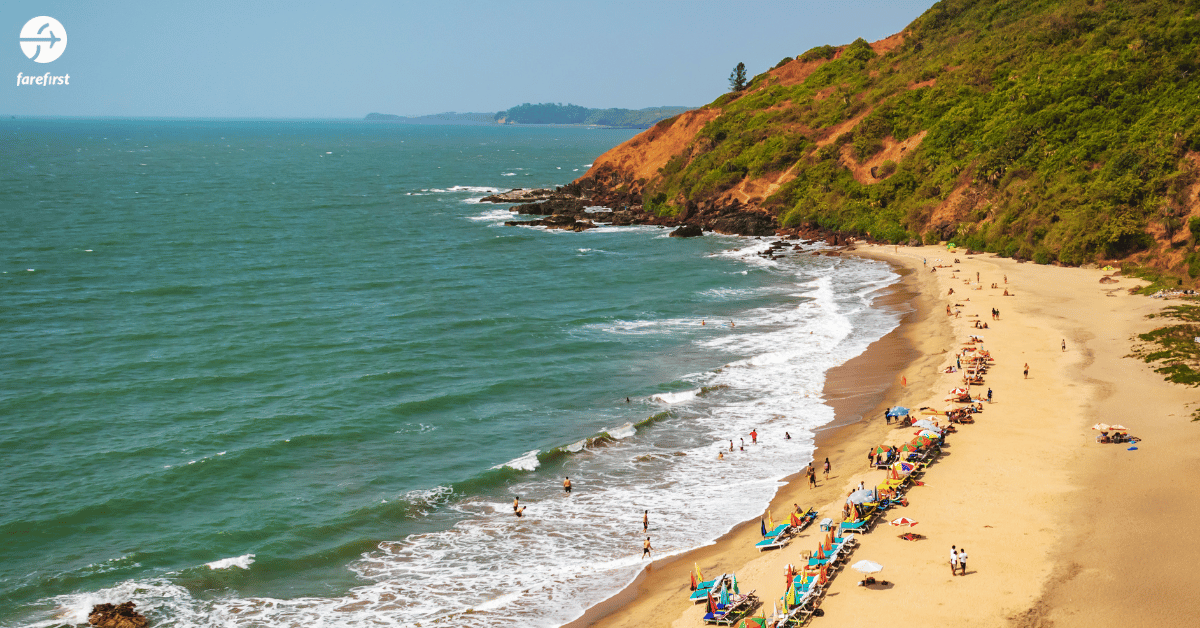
pixel 299 59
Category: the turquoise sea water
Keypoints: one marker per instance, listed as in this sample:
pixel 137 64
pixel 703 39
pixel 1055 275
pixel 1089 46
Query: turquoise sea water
pixel 293 374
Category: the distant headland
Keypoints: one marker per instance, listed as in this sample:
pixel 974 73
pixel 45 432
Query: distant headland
pixel 546 113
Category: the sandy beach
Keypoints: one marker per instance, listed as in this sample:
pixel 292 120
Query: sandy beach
pixel 1061 530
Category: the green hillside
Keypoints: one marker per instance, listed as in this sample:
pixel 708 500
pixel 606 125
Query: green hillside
pixel 550 113
pixel 1054 131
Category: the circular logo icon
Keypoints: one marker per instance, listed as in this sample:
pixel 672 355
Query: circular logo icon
pixel 43 39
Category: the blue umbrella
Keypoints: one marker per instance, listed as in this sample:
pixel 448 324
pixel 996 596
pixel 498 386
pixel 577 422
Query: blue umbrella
pixel 898 411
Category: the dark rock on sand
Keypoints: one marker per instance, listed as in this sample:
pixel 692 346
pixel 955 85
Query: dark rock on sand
pixel 118 616
pixel 687 231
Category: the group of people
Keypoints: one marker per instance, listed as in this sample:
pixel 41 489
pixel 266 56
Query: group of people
pixel 958 561
pixel 742 445
pixel 519 510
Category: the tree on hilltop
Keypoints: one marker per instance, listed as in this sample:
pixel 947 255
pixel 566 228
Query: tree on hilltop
pixel 737 78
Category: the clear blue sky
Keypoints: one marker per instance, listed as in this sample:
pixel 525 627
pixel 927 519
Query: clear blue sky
pixel 299 59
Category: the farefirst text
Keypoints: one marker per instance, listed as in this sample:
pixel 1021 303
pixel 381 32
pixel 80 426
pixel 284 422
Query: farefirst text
pixel 45 79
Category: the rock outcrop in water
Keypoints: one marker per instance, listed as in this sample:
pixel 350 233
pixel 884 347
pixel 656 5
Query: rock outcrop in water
pixel 116 616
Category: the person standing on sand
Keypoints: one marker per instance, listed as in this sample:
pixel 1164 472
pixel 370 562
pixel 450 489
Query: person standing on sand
pixel 646 548
pixel 962 561
pixel 1064 344
pixel 812 476
pixel 1026 370
pixel 646 521
pixel 827 468
pixel 989 395
pixel 953 561
pixel 567 485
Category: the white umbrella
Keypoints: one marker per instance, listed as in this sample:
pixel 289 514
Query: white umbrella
pixel 1103 427
pixel 930 433
pixel 864 496
pixel 866 566
pixel 928 425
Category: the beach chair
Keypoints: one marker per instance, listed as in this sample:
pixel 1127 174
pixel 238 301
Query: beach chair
pixel 702 589
pixel 856 526
pixel 773 543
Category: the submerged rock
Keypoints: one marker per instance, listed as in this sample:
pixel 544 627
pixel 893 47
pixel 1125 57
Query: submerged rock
pixel 118 616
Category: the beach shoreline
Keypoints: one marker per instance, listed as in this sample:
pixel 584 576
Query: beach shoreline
pixel 1063 531
pixel 858 401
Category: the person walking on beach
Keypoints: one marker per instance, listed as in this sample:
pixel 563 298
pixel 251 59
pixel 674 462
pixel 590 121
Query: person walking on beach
pixel 962 561
pixel 1026 370
pixel 827 468
pixel 567 485
pixel 646 521
pixel 753 436
pixel 812 476
pixel 646 548
pixel 989 395
pixel 953 561
pixel 1064 344
pixel 731 446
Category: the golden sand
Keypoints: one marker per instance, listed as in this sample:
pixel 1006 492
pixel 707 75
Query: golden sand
pixel 1061 531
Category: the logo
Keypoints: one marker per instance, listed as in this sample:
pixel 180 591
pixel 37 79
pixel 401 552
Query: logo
pixel 43 39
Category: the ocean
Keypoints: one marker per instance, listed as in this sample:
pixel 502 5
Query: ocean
pixel 293 373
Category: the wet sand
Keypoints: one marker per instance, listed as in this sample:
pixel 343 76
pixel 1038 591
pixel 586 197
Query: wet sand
pixel 1062 531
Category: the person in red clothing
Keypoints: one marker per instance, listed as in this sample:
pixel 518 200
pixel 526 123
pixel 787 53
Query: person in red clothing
pixel 753 436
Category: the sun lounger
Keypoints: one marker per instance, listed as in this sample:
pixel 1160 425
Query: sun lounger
pixel 857 526
pixel 702 589
pixel 773 543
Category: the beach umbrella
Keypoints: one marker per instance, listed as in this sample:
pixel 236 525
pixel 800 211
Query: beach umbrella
pixel 902 521
pixel 861 497
pixel 735 587
pixel 712 604
pixel 820 555
pixel 699 576
pixel 909 447
pixel 898 411
pixel 927 424
pixel 824 574
pixel 724 597
pixel 882 449
pixel 923 441
pixel 960 391
pixel 866 566
pixel 1103 427
pixel 1118 428
pixel 764 527
pixel 694 583
pixel 902 468
pixel 790 575
pixel 930 434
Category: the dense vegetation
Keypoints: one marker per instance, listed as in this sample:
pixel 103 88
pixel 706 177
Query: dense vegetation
pixel 550 113
pixel 1175 346
pixel 1056 131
